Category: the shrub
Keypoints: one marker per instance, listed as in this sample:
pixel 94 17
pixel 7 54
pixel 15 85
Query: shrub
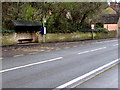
pixel 85 30
pixel 94 30
pixel 7 31
pixel 100 30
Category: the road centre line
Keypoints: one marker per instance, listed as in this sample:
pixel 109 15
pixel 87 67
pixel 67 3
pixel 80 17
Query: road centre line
pixel 92 50
pixel 88 74
pixel 116 45
pixel 19 67
pixel 32 64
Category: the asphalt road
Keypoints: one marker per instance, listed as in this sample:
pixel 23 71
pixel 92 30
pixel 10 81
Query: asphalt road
pixel 33 48
pixel 52 69
pixel 109 77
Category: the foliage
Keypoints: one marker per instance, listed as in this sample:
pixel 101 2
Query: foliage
pixel 7 31
pixel 82 14
pixel 101 30
pixel 28 12
pixel 94 30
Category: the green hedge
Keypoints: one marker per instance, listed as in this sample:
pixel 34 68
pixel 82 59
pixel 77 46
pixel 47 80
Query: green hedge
pixel 7 31
pixel 94 30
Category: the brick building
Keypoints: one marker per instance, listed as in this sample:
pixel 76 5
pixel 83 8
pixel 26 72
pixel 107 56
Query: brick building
pixel 110 21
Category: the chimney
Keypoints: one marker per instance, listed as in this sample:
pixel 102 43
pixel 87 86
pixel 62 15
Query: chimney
pixel 114 5
pixel 117 6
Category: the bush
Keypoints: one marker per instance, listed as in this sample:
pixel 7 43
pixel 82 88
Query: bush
pixel 7 31
pixel 100 30
pixel 85 30
pixel 94 30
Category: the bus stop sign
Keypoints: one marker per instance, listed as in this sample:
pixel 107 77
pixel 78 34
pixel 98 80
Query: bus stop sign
pixel 43 30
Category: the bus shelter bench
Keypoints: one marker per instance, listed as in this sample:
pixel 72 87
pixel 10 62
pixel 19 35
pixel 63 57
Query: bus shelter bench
pixel 20 40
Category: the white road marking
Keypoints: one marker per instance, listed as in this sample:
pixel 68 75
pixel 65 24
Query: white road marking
pixel 84 52
pixel 116 45
pixel 87 74
pixel 92 50
pixel 32 64
pixel 19 67
pixel 107 41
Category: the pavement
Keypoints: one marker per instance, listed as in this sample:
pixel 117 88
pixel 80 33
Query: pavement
pixel 56 67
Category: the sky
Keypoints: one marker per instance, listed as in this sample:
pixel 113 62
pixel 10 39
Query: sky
pixel 112 1
pixel 115 0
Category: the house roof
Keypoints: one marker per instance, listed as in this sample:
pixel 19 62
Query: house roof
pixel 110 19
pixel 25 23
pixel 109 10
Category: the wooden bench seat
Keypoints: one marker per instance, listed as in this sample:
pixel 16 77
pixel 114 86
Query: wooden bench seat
pixel 20 40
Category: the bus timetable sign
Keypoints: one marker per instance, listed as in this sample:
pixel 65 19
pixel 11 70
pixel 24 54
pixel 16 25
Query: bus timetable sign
pixel 43 30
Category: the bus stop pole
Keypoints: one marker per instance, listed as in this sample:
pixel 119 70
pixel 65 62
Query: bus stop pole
pixel 44 36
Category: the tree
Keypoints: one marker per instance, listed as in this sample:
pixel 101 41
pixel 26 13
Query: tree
pixel 81 14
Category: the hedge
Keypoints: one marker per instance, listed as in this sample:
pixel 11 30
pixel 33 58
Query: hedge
pixel 7 31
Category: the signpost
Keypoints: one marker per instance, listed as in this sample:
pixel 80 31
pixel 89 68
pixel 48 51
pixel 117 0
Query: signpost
pixel 44 28
pixel 92 27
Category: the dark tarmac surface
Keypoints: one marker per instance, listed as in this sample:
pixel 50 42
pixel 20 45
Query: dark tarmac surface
pixel 29 71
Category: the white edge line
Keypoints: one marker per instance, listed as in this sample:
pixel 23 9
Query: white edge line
pixel 92 50
pixel 30 64
pixel 87 74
